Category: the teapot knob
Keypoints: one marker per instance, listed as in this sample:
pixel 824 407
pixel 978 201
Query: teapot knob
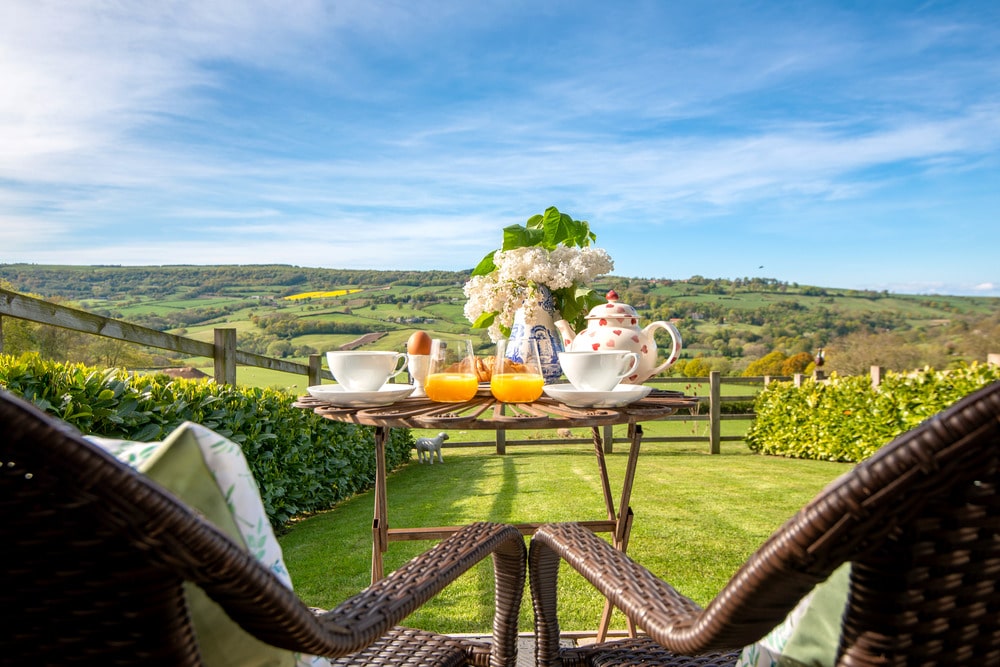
pixel 611 295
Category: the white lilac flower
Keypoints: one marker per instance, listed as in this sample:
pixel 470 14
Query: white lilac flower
pixel 519 271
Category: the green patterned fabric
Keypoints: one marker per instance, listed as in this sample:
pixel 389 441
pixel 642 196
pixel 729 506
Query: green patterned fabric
pixel 210 474
pixel 809 636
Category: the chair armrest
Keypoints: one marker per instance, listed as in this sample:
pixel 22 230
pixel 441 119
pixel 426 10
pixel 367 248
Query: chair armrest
pixel 652 604
pixel 372 612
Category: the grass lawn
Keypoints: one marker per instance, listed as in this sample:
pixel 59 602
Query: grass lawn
pixel 697 518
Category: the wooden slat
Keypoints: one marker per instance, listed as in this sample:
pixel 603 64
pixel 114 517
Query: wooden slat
pixel 442 532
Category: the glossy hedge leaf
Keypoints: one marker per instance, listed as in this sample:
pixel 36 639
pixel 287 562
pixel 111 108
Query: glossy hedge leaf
pixel 845 419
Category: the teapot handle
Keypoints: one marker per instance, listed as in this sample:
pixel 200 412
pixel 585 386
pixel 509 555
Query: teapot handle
pixel 675 348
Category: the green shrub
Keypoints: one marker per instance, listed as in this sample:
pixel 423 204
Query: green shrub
pixel 302 463
pixel 846 419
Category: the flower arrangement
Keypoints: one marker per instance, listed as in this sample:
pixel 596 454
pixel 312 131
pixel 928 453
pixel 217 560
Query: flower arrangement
pixel 549 255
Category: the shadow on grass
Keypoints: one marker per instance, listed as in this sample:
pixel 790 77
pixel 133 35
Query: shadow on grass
pixel 697 517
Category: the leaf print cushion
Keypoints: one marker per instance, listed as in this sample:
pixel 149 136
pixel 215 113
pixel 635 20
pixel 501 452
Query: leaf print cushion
pixel 210 474
pixel 810 634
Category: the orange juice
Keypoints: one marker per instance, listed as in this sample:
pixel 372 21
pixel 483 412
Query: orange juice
pixel 517 387
pixel 451 387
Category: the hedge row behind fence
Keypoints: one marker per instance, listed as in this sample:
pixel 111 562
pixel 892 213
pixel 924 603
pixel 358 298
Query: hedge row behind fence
pixel 846 419
pixel 302 463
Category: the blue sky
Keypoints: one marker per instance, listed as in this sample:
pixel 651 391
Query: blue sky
pixel 841 144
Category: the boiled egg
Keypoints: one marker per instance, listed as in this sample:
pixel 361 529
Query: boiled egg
pixel 419 343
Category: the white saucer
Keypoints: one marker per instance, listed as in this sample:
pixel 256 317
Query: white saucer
pixel 622 394
pixel 335 394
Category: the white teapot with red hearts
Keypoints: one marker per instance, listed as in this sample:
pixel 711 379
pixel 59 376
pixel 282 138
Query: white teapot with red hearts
pixel 615 326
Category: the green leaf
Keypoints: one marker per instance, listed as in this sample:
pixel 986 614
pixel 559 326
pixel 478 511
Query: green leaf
pixel 486 265
pixel 558 227
pixel 516 236
pixel 484 320
pixel 146 433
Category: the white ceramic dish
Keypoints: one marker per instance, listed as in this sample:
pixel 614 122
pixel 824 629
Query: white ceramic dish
pixel 622 394
pixel 337 395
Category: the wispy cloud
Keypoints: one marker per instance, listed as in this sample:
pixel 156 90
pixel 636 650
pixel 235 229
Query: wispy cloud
pixel 401 135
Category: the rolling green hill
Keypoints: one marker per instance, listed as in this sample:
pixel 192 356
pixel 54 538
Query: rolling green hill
pixel 726 323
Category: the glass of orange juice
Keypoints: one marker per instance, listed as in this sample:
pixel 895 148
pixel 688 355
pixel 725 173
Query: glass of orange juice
pixel 517 372
pixel 451 374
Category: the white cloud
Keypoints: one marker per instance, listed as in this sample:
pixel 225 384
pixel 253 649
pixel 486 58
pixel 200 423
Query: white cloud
pixel 112 125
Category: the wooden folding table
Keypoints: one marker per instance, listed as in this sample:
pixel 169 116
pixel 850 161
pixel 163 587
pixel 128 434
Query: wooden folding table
pixel 486 413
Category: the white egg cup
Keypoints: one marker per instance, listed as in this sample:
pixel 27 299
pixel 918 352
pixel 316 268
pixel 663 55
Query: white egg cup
pixel 418 365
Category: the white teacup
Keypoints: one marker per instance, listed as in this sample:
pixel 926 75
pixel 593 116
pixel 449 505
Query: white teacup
pixel 365 370
pixel 598 370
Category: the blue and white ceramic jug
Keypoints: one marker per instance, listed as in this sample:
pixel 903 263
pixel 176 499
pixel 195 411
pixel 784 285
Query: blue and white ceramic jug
pixel 543 329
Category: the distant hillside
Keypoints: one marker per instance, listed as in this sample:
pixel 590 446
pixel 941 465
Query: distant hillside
pixel 122 282
pixel 726 324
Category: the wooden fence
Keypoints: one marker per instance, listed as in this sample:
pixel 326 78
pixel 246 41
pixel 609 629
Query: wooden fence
pixel 226 357
pixel 714 401
pixel 223 350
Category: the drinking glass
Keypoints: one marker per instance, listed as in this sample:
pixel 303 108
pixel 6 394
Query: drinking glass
pixel 451 375
pixel 517 371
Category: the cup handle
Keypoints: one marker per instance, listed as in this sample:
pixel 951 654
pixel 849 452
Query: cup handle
pixel 633 358
pixel 400 368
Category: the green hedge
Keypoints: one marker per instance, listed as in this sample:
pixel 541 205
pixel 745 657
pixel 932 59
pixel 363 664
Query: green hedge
pixel 846 419
pixel 302 463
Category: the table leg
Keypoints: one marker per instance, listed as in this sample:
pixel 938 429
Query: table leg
pixel 624 517
pixel 625 511
pixel 602 466
pixel 380 527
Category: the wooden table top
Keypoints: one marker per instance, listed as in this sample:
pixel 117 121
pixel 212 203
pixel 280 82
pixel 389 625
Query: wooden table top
pixel 486 413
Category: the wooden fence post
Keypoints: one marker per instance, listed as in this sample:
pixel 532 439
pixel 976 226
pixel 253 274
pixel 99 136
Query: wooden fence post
pixel 877 373
pixel 609 439
pixel 315 370
pixel 797 379
pixel 715 411
pixel 225 356
pixel 1 334
pixel 992 358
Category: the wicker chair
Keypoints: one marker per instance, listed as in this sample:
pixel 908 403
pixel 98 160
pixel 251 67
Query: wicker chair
pixel 919 522
pixel 94 556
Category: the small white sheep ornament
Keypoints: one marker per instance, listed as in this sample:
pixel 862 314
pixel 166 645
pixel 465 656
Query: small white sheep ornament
pixel 426 447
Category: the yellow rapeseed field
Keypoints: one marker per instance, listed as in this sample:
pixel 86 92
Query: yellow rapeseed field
pixel 321 295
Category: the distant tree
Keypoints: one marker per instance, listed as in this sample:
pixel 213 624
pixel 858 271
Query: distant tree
pixel 769 364
pixel 797 363
pixel 18 336
pixel 111 353
pixel 856 353
pixel 697 368
pixel 280 348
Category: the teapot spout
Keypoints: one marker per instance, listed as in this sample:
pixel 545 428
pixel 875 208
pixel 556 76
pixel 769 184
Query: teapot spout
pixel 567 332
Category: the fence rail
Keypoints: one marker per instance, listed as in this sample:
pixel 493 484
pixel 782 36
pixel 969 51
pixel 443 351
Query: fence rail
pixel 714 400
pixel 223 350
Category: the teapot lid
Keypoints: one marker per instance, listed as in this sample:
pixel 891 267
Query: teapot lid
pixel 612 309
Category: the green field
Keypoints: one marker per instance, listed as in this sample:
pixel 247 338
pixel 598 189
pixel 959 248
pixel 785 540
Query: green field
pixel 728 322
pixel 697 518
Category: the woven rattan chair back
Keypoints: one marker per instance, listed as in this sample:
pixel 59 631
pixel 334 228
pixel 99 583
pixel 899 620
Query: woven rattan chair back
pixel 919 521
pixel 94 556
